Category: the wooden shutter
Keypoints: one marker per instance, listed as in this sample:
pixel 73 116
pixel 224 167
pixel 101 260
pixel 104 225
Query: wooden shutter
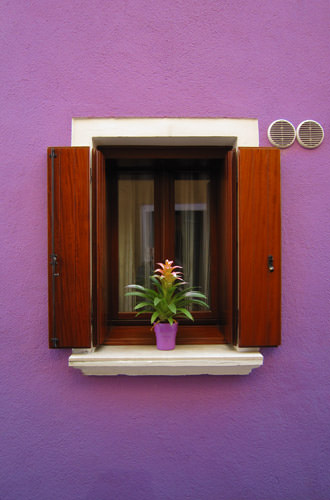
pixel 100 249
pixel 69 247
pixel 259 239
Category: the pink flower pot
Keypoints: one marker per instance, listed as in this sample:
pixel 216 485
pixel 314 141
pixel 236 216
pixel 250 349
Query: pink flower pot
pixel 165 336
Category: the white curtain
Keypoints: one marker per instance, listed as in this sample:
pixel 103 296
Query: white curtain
pixel 193 230
pixel 135 234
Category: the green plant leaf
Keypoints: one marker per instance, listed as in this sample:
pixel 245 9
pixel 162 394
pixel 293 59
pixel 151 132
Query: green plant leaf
pixel 154 317
pixel 172 307
pixel 155 281
pixel 139 287
pixel 145 311
pixel 142 289
pixel 186 313
pixel 200 303
pixel 136 294
pixel 195 294
pixel 183 293
pixel 142 304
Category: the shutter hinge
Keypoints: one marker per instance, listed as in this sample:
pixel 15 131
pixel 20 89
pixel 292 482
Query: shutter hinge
pixel 55 341
pixel 52 153
pixel 90 175
pixel 53 262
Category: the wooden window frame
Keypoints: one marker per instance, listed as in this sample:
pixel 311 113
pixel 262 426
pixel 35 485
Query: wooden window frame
pixel 209 328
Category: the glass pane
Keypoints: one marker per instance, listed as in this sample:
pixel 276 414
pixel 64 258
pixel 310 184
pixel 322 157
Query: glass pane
pixel 135 233
pixel 192 239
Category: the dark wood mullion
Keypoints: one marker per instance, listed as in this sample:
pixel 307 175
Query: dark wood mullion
pixel 164 216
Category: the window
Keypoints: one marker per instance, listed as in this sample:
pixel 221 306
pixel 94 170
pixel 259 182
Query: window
pixel 244 236
pixel 164 203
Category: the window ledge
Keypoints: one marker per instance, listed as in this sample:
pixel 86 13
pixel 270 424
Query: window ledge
pixel 183 360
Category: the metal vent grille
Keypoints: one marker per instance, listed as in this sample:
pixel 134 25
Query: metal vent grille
pixel 310 134
pixel 281 133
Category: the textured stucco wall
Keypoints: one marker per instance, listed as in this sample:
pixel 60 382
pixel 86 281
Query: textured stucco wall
pixel 264 436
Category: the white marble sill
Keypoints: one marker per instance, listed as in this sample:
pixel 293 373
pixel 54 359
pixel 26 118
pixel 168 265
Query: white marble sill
pixel 183 360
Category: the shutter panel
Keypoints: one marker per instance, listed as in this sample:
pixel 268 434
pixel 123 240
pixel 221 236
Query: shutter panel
pixel 69 247
pixel 100 250
pixel 259 237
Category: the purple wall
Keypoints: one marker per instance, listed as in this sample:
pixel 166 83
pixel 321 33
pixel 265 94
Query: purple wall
pixel 263 436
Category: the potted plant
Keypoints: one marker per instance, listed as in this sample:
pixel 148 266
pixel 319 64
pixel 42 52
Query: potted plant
pixel 167 300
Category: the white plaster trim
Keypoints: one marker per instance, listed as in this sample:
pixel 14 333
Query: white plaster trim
pixel 165 131
pixel 183 360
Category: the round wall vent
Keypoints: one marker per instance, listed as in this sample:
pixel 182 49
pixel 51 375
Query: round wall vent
pixel 281 133
pixel 310 134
